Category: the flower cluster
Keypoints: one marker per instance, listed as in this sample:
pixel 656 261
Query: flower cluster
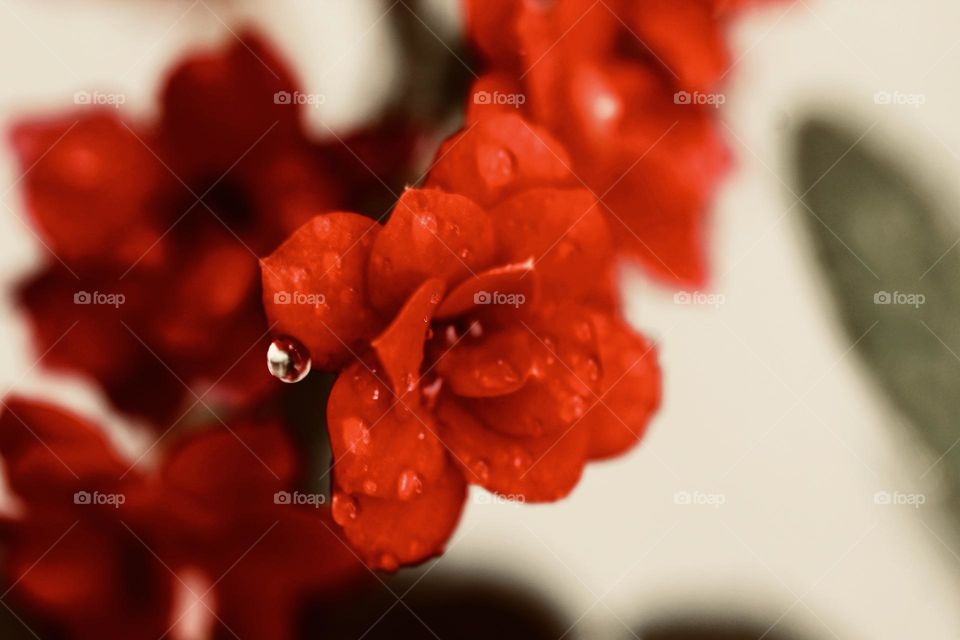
pixel 630 87
pixel 157 228
pixel 103 547
pixel 476 336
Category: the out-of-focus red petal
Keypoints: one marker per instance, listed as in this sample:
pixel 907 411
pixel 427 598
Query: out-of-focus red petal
pixel 298 555
pixel 50 453
pixel 389 533
pixel 532 469
pixel 90 185
pixel 496 364
pixel 383 445
pixel 566 234
pixel 252 462
pixel 219 107
pixel 629 391
pixel 686 37
pixel 400 347
pixel 429 234
pixel 314 287
pixel 497 156
pixel 516 283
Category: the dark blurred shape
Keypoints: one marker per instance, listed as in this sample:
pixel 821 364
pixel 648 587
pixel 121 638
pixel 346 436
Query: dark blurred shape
pixel 708 627
pixel 891 261
pixel 457 607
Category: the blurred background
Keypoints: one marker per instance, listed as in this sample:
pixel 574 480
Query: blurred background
pixel 798 481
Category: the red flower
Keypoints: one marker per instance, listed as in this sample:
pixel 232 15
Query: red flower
pixel 626 87
pixel 157 229
pixel 477 344
pixel 96 537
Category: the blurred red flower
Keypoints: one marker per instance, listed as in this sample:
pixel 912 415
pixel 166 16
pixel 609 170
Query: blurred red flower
pixel 157 228
pixel 476 343
pixel 630 88
pixel 100 549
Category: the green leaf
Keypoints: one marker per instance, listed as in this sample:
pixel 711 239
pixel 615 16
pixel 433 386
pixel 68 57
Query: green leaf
pixel 891 257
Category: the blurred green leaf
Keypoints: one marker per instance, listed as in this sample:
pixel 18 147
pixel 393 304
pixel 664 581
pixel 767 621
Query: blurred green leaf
pixel 892 261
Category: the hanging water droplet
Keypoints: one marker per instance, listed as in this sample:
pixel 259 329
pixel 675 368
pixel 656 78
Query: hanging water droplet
pixel 287 359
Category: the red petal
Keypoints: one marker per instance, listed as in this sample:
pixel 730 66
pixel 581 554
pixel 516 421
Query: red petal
pixel 532 469
pixel 314 287
pixel 380 446
pixel 629 389
pixel 515 285
pixel 497 156
pixel 252 462
pixel 565 233
pixel 400 347
pixel 219 107
pixel 392 533
pixel 429 234
pixel 496 364
pixel 90 185
pixel 50 453
pixel 564 376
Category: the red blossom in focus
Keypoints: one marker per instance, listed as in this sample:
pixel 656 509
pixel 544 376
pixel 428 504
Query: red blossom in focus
pixel 628 87
pixel 169 218
pixel 477 337
pixel 101 566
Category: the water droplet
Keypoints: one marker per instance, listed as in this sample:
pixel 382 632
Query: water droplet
pixel 435 297
pixel 369 487
pixel 497 165
pixel 389 562
pixel 344 508
pixel 287 359
pixel 409 484
pixel 572 408
pixel 356 434
pixel 481 470
pixel 476 329
pixel 428 221
pixel 330 260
